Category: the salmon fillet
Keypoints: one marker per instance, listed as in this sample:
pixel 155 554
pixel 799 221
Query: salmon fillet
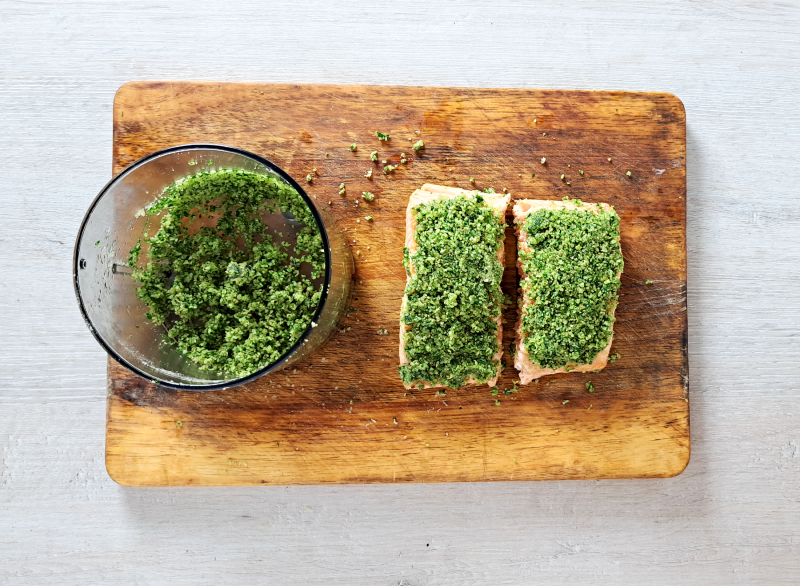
pixel 428 193
pixel 529 370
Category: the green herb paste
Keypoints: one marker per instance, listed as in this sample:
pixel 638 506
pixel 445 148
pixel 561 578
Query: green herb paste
pixel 231 298
pixel 572 277
pixel 454 296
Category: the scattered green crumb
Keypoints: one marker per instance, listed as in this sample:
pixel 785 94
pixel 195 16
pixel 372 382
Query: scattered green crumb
pixel 614 357
pixel 383 332
pixel 314 170
pixel 581 172
pixel 368 175
pixel 472 179
pixel 388 169
pixel 533 175
pixel 453 296
pixel 544 160
pixel 368 218
pixel 497 402
pixel 97 243
pixel 418 145
pixel 382 136
pixel 565 401
pixel 228 296
pixel 309 178
pixel 384 162
pixel 394 420
pixel 493 392
pixel 342 189
pixel 192 162
pixel 368 196
pixel 562 177
pixel 403 160
pixel 648 282
pixel 512 390
pixel 209 163
pixel 374 155
pixel 572 270
pixel 353 147
pixel 180 423
pixel 590 387
pixel 628 173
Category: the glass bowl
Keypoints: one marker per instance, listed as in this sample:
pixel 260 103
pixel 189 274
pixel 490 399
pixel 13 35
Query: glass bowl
pixel 106 291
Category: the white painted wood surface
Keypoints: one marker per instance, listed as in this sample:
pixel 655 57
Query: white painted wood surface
pixel 732 518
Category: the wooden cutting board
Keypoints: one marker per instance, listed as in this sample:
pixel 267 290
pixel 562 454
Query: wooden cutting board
pixel 343 416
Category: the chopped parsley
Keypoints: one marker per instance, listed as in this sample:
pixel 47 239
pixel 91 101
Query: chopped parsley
pixel 382 136
pixel 614 357
pixel 309 178
pixel 368 218
pixel 368 174
pixel 229 297
pixel 418 145
pixel 374 155
pixel 572 277
pixel 353 147
pixel 368 196
pixel 342 189
pixel 454 295
pixel 388 169
pixel 590 387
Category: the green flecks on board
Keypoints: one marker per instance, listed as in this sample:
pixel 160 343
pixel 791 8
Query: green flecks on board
pixel 454 295
pixel 572 278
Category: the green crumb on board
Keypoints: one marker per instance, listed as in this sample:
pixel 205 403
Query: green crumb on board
pixel 614 357
pixel 388 169
pixel 353 147
pixel 373 155
pixel 368 218
pixel 648 282
pixel 228 296
pixel 590 387
pixel 368 196
pixel 342 189
pixel 453 296
pixel 382 136
pixel 309 178
pixel 572 267
pixel 418 145
pixel 497 402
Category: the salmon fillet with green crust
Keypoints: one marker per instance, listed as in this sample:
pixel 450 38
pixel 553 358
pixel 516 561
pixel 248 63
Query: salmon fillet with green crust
pixel 450 319
pixel 569 261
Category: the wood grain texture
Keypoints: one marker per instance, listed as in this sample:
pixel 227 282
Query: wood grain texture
pixel 731 519
pixel 343 415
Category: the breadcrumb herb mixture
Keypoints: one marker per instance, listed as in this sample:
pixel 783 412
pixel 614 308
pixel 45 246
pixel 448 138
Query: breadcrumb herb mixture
pixel 572 277
pixel 231 298
pixel 454 296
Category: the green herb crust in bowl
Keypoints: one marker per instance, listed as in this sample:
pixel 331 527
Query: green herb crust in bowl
pixel 450 328
pixel 229 291
pixel 570 262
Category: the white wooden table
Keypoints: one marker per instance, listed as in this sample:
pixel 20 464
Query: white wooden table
pixel 732 518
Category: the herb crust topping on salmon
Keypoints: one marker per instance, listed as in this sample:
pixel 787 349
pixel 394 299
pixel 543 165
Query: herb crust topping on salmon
pixel 451 332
